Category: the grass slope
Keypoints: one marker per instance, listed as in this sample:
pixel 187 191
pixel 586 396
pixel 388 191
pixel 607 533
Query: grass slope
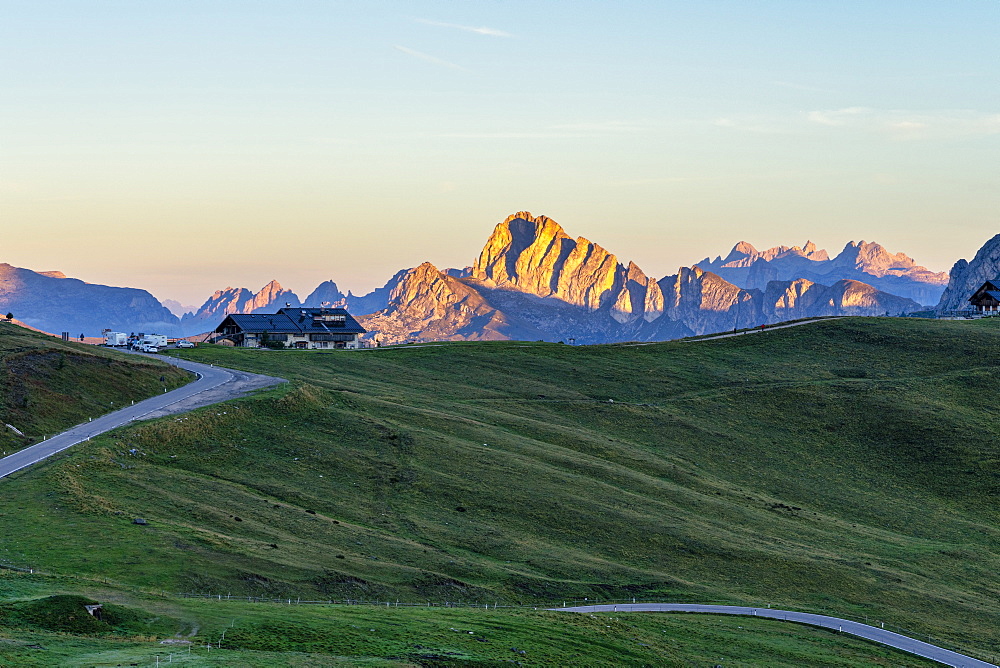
pixel 54 630
pixel 846 467
pixel 47 385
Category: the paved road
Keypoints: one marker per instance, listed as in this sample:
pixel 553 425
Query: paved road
pixel 757 330
pixel 214 384
pixel 873 633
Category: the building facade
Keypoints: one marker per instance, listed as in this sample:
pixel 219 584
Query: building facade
pixel 987 298
pixel 299 328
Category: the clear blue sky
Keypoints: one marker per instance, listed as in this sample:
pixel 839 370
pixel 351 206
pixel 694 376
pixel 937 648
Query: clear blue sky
pixel 182 146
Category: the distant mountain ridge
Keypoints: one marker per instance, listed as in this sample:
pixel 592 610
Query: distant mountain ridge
pixel 237 300
pixel 534 280
pixel 531 280
pixel 273 296
pixel 867 262
pixel 54 303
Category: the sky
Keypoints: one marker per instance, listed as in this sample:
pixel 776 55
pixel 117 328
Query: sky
pixel 183 146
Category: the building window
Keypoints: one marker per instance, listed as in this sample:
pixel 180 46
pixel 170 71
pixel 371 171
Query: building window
pixel 331 337
pixel 330 319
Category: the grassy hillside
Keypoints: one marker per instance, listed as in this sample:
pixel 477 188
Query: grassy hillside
pixel 47 385
pixel 846 467
pixel 50 630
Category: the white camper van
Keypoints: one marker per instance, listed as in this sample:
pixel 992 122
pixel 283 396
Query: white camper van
pixel 157 340
pixel 115 339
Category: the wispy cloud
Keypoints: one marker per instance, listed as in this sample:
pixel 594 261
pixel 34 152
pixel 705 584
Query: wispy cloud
pixel 902 124
pixel 492 32
pixel 428 58
pixel 837 117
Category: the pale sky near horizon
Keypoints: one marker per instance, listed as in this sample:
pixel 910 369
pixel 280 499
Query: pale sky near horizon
pixel 186 146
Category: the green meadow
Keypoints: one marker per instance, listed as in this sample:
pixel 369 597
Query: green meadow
pixel 846 467
pixel 44 629
pixel 47 384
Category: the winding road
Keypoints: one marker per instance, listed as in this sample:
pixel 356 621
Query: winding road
pixel 873 633
pixel 214 384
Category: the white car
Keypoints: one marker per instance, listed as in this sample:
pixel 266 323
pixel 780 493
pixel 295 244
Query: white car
pixel 149 349
pixel 185 344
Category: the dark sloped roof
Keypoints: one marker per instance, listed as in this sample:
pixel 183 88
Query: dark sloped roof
pixel 306 320
pixel 294 321
pixel 262 322
pixel 994 293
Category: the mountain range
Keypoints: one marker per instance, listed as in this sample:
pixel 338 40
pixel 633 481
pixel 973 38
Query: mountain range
pixel 534 281
pixel 869 263
pixel 51 302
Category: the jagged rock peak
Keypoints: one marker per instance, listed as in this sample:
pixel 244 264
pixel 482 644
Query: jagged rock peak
pixel 966 277
pixel 535 255
pixel 425 270
pixel 744 254
pixel 874 259
pixel 526 216
pixel 418 282
pixel 270 290
pixel 268 298
pixel 326 293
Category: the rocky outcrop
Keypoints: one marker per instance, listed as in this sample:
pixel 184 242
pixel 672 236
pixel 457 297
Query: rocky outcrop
pixel 237 300
pixel 638 297
pixel 429 305
pixel 534 255
pixel 54 303
pixel 867 262
pixel 804 299
pixel 705 302
pixel 270 298
pixel 326 294
pixel 966 277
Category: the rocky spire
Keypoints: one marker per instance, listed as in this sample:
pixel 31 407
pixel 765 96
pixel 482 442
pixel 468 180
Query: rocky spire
pixel 966 277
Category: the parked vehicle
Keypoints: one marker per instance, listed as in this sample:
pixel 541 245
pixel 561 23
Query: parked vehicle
pixel 146 348
pixel 158 340
pixel 185 344
pixel 115 339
